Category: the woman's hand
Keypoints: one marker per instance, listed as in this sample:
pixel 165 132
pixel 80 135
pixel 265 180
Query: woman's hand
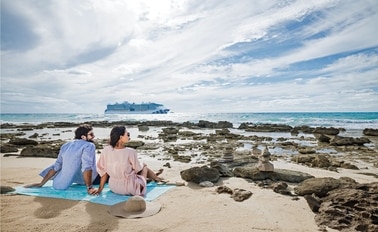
pixel 35 185
pixel 94 191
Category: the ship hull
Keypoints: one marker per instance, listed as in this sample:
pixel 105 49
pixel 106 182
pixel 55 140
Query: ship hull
pixel 135 112
pixel 132 108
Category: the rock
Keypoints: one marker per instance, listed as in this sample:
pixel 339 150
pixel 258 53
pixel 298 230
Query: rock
pixel 134 144
pixel 349 166
pixel 370 132
pixel 40 151
pixel 264 165
pixel 348 141
pixel 277 187
pixel 255 151
pixel 241 194
pixel 219 124
pixel 22 141
pixel 224 189
pixel 326 131
pixel 168 165
pixel 222 169
pixel 200 174
pixel 5 148
pixel 6 189
pixel 143 128
pixel 319 161
pixel 277 174
pixel 206 184
pixel 321 186
pixel 265 127
pixel 237 194
pixel 228 155
pixel 352 208
pixel 323 138
pixel 314 202
pixel 34 136
pixel 170 131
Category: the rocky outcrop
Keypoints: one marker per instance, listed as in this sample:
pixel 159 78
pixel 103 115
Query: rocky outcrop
pixel 343 204
pixel 326 131
pixel 348 141
pixel 370 132
pixel 265 127
pixel 40 151
pixel 134 144
pixel 276 175
pixel 321 186
pixel 22 141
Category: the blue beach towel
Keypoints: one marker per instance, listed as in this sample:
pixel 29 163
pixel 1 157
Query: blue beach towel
pixel 79 192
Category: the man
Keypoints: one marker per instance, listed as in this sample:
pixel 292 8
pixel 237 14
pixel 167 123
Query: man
pixel 76 163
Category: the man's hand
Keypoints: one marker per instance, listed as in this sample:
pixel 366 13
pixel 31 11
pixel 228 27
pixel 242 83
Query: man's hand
pixel 35 185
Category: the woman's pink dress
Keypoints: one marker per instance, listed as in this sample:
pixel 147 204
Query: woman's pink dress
pixel 122 165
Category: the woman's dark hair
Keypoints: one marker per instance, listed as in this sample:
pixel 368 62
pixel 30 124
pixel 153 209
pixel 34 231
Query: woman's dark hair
pixel 82 130
pixel 115 134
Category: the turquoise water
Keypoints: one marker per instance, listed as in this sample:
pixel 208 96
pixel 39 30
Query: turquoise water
pixel 347 120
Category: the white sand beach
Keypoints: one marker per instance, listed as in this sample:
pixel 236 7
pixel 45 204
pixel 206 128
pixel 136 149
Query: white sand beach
pixel 184 208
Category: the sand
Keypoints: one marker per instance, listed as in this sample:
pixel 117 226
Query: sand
pixel 184 208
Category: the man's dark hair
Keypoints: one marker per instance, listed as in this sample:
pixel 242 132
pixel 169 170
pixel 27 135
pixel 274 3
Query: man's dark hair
pixel 82 130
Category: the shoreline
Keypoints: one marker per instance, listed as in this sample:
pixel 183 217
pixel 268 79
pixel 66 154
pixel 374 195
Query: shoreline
pixel 185 208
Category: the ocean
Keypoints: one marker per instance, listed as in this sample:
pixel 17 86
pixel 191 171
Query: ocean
pixel 347 120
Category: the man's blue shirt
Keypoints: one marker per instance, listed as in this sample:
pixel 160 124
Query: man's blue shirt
pixel 74 158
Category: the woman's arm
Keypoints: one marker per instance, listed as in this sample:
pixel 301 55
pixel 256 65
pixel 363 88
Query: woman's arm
pixel 103 180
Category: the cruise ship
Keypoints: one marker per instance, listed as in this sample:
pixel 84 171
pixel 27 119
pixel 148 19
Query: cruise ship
pixel 133 108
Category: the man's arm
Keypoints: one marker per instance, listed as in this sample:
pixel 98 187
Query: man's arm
pixel 87 175
pixel 48 176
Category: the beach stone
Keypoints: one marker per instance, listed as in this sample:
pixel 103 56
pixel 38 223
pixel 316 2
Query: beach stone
pixel 321 186
pixel 200 174
pixel 223 189
pixel 277 175
pixel 6 189
pixel 282 188
pixel 241 194
pixel 206 184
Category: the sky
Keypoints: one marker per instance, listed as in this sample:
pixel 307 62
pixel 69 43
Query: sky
pixel 202 56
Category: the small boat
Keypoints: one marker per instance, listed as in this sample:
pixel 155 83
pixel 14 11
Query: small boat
pixel 134 108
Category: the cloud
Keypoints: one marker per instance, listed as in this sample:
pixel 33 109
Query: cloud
pixel 202 56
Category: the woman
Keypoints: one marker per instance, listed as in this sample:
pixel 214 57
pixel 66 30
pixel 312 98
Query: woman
pixel 128 176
